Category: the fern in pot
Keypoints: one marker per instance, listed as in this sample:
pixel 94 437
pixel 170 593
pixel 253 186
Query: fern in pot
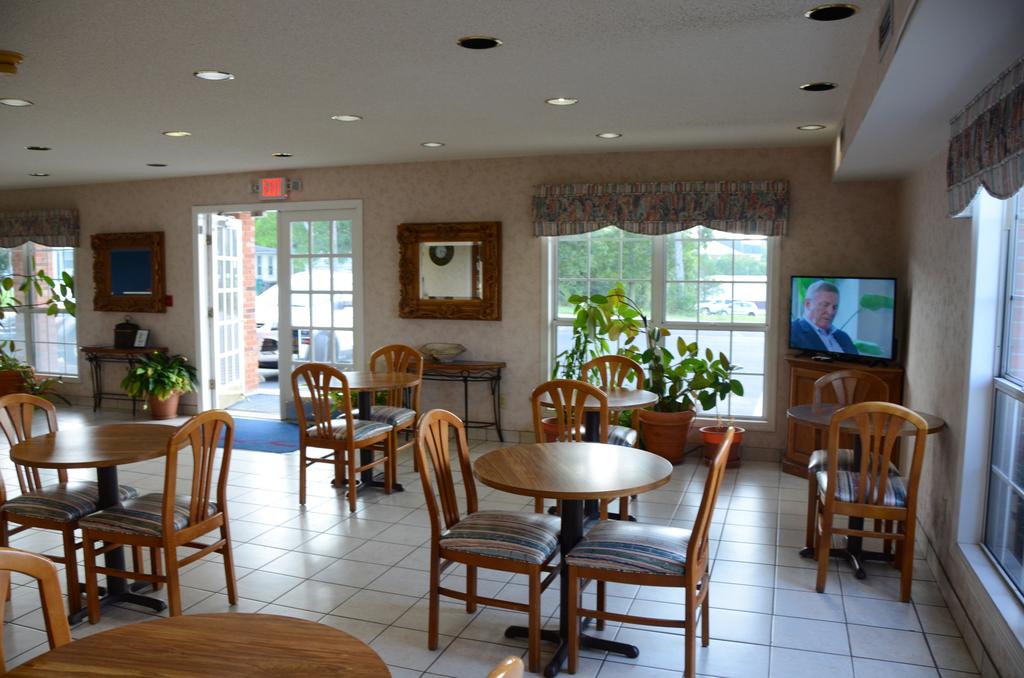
pixel 161 379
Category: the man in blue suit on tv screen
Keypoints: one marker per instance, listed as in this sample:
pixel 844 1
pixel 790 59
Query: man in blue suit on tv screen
pixel 814 331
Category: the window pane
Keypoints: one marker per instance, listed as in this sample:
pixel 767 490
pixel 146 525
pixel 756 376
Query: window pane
pixel 636 259
pixel 681 301
pixel 572 260
pixel 1004 529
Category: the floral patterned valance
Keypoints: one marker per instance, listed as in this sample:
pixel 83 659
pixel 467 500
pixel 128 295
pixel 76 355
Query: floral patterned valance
pixel 986 144
pixel 657 208
pixel 55 228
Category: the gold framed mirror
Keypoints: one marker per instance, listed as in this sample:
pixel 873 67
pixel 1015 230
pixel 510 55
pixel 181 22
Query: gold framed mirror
pixel 128 272
pixel 450 270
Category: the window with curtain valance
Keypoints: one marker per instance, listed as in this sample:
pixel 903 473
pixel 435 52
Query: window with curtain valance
pixel 660 208
pixel 986 144
pixel 53 228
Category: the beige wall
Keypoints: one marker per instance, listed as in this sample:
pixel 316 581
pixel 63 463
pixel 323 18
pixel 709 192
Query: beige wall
pixel 843 229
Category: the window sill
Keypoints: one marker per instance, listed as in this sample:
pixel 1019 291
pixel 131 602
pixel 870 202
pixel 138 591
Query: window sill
pixel 1004 598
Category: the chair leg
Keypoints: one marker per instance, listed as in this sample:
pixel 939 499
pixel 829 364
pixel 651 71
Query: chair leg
pixel 603 504
pixel 71 570
pixel 173 588
pixel 92 589
pixel 907 561
pixel 574 620
pixel 533 621
pixel 434 611
pixel 812 509
pixel 302 475
pixel 822 547
pixel 4 539
pixel 601 600
pixel 623 508
pixel 470 589
pixel 690 633
pixel 229 562
pixel 390 466
pixel 351 456
pixel 538 505
pixel 158 570
pixel 705 614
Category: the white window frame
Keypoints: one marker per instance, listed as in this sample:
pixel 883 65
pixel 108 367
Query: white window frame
pixel 549 303
pixel 27 350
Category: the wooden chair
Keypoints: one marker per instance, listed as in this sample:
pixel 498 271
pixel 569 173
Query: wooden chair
pixel 617 370
pixel 523 543
pixel 567 398
pixel 56 507
pixel 402 407
pixel 509 667
pixel 325 387
pixel 842 387
pixel 43 571
pixel 650 555
pixel 168 520
pixel 886 496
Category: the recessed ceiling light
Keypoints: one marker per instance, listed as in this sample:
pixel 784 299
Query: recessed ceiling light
pixel 478 42
pixel 834 11
pixel 282 155
pixel 176 133
pixel 38 148
pixel 39 174
pixel 432 144
pixel 608 135
pixel 156 164
pixel 214 75
pixel 817 86
pixel 810 128
pixel 347 117
pixel 17 103
pixel 561 101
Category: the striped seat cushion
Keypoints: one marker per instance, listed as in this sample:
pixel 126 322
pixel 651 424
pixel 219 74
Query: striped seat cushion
pixel 63 502
pixel 848 488
pixel 364 429
pixel 141 515
pixel 395 416
pixel 527 537
pixel 632 547
pixel 818 461
pixel 621 435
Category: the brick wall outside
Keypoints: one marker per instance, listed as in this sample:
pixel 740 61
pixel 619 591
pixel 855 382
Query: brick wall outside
pixel 252 340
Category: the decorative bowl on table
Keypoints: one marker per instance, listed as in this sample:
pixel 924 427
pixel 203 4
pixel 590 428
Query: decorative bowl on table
pixel 443 353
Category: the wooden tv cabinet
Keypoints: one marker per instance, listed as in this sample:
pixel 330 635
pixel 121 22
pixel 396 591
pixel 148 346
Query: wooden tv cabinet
pixel 803 372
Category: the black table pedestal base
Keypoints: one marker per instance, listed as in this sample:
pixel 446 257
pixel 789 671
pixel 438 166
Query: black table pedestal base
pixel 130 596
pixel 586 642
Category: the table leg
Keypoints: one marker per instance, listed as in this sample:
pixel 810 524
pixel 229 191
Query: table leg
pixel 365 401
pixel 117 589
pixel 572 533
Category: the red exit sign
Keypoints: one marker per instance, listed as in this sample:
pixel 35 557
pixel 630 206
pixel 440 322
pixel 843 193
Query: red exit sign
pixel 273 188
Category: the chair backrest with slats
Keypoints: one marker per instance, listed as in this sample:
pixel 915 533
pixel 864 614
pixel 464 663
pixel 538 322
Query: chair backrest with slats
pixel 568 399
pixel 44 571
pixel 433 451
pixel 879 427
pixel 614 370
pixel 846 387
pixel 697 549
pixel 17 412
pixel 206 434
pixel 400 358
pixel 323 389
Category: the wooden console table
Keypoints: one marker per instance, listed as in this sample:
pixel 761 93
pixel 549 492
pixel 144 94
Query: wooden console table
pixel 467 371
pixel 97 355
pixel 803 372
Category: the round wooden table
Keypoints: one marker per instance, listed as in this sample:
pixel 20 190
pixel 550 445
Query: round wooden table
pixel 573 473
pixel 364 384
pixel 213 645
pixel 819 416
pixel 619 398
pixel 103 448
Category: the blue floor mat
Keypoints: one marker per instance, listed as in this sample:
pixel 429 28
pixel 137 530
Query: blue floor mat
pixel 263 435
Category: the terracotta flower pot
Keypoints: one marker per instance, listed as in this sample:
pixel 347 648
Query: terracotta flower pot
pixel 550 429
pixel 664 433
pixel 11 381
pixel 713 437
pixel 164 409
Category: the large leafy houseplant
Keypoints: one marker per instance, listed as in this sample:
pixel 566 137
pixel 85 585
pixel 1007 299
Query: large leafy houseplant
pixel 589 331
pixel 162 379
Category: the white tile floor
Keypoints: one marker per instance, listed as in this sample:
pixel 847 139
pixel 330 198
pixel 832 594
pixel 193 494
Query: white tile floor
pixel 365 573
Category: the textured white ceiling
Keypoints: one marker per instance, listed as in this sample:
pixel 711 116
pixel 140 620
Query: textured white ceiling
pixel 107 76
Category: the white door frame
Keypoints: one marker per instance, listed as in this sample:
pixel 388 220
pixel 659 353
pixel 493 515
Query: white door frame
pixel 201 349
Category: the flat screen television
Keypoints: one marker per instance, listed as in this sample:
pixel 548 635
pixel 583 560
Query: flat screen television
pixel 843 317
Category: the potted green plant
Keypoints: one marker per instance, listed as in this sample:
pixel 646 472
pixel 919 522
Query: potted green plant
pixel 680 381
pixel 161 379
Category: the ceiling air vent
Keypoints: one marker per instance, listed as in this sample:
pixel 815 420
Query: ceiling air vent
pixel 884 28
